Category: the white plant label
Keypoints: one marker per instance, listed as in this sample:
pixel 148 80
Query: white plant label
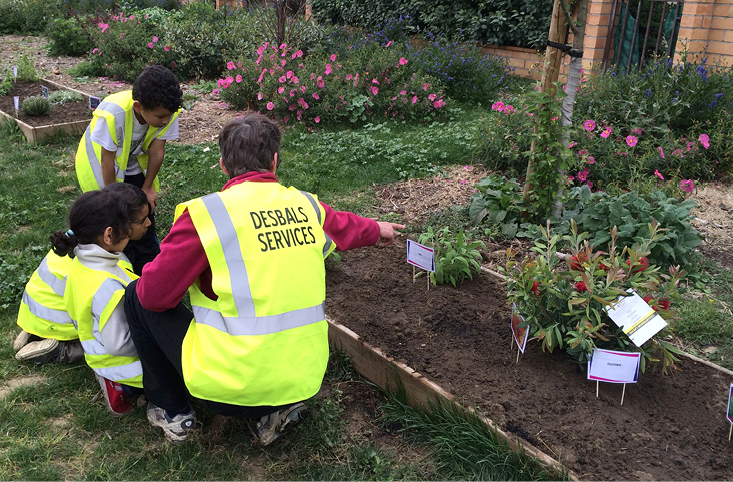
pixel 15 71
pixel 614 366
pixel 16 101
pixel 420 256
pixel 636 318
pixel 44 91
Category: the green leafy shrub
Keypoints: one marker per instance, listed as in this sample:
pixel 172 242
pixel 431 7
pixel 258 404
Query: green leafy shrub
pixel 36 105
pixel 456 257
pixel 23 16
pixel 660 97
pixel 68 37
pixel 522 23
pixel 282 81
pixel 564 308
pixel 27 69
pixel 64 96
pixel 498 202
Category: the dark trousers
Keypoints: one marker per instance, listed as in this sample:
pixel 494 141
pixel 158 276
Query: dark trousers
pixel 145 249
pixel 158 337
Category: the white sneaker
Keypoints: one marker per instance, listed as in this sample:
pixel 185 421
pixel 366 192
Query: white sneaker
pixel 21 340
pixel 176 429
pixel 37 349
pixel 270 427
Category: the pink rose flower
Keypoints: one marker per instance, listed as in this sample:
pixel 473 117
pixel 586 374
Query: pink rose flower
pixel 231 66
pixel 589 125
pixel 238 79
pixel 403 61
pixel 607 132
pixel 270 106
pixel 631 140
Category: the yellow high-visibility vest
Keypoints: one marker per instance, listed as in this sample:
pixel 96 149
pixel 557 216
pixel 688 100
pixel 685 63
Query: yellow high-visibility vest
pixel 264 341
pixel 118 112
pixel 42 311
pixel 90 298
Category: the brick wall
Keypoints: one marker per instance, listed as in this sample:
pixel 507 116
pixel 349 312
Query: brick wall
pixel 707 26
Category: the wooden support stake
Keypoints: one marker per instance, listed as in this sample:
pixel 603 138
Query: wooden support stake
pixel 597 384
pixel 428 277
pixel 622 395
pixel 730 432
pixel 413 273
pixel 518 352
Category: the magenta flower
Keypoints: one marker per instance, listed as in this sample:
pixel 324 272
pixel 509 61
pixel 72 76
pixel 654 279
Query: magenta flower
pixel 591 160
pixel 238 79
pixel 295 80
pixel 631 140
pixel 150 45
pixel 317 119
pixel 215 92
pixel 658 174
pixel 583 175
pixel 292 93
pixel 280 89
pixel 229 79
pixel 637 131
pixel 155 39
pixel 388 44
pixel 589 125
pixel 167 48
pixel 414 99
pixel 103 26
pixel 122 35
pixel 661 151
pixel 348 76
pixel 606 132
pixel 259 95
pixel 283 62
pixel 270 106
pixel 230 65
pixel 403 92
pixel 320 83
pixel 299 53
pixel 498 106
pixel 403 61
pixel 374 90
pixel 582 153
pixel 328 69
pixel 289 74
pixel 432 97
pixel 704 140
pixel 282 79
pixel 572 144
pixel 316 96
pixel 282 46
pixel 589 184
pixel 132 17
pixel 508 109
pixel 333 57
pixel 438 103
pixel 687 185
pixel 425 87
pixel 375 81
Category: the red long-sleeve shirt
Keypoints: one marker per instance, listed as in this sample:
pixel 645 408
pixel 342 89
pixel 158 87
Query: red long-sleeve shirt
pixel 182 258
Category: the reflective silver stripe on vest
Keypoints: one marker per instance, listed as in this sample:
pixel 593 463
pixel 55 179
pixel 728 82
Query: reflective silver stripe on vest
pixel 100 301
pixel 44 272
pixel 259 325
pixel 96 164
pixel 56 316
pixel 93 347
pixel 122 372
pixel 329 241
pixel 232 254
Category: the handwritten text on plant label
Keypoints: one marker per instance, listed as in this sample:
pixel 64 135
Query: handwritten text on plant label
pixel 614 366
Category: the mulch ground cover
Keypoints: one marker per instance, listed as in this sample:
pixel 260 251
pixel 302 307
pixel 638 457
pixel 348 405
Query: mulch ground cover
pixel 59 114
pixel 670 427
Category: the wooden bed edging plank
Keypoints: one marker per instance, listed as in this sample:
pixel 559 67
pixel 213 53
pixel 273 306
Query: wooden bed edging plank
pixel 373 365
pixel 500 277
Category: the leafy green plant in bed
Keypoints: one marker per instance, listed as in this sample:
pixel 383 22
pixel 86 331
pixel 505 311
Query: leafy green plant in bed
pixel 498 204
pixel 36 105
pixel 564 308
pixel 64 96
pixel 456 257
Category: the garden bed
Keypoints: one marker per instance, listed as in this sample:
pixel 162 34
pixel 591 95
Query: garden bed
pixel 72 117
pixel 670 427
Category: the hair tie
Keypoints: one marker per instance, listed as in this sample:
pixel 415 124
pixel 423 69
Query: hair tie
pixel 69 233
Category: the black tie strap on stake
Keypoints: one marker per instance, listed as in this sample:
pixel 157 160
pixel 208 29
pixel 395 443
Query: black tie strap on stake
pixel 575 53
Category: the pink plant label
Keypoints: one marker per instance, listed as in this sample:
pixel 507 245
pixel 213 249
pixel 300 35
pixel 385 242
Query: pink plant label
pixel 520 333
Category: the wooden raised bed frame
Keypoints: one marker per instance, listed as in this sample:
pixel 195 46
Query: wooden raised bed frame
pixel 33 134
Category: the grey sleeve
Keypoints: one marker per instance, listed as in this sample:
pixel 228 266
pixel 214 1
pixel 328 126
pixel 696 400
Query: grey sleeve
pixel 116 334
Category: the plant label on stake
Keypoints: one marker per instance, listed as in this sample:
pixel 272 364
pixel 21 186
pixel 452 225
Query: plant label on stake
pixel 421 256
pixel 614 367
pixel 636 318
pixel 729 413
pixel 44 91
pixel 15 71
pixel 16 102
pixel 94 102
pixel 519 334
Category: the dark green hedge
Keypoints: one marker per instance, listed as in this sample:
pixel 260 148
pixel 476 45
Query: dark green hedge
pixel 519 23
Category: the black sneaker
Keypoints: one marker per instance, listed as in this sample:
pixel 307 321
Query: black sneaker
pixel 270 427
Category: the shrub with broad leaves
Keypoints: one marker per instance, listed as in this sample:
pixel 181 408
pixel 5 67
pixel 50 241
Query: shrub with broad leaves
pixel 563 305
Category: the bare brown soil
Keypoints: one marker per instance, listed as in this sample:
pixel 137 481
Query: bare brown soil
pixel 670 427
pixel 59 114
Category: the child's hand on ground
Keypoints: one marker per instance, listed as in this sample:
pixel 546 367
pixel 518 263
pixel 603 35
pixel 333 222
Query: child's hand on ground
pixel 387 232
